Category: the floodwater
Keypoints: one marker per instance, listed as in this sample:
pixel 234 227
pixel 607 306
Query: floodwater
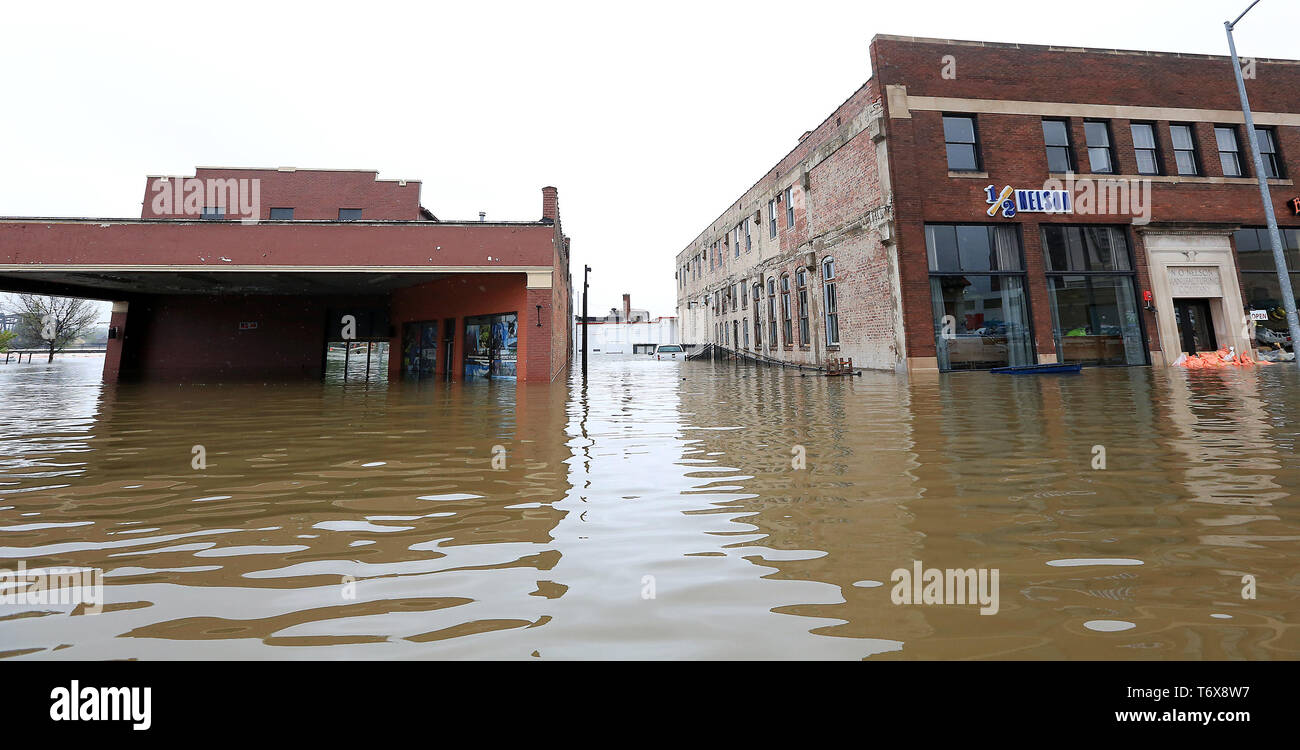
pixel 659 512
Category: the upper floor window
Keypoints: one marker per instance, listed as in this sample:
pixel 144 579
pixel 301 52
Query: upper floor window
pixel 1268 152
pixel 959 141
pixel 1056 135
pixel 211 213
pixel 1229 154
pixel 749 241
pixel 789 207
pixel 1144 147
pixel 281 214
pixel 349 214
pixel 1101 158
pixel 771 219
pixel 771 312
pixel 1184 139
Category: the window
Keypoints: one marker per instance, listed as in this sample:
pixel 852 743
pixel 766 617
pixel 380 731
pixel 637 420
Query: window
pixel 213 214
pixel 789 207
pixel 749 241
pixel 349 214
pixel 786 332
pixel 1229 155
pixel 771 313
pixel 734 299
pixel 744 327
pixel 758 320
pixel 1144 147
pixel 1090 281
pixel 1268 152
pixel 831 309
pixel 1260 287
pixel 744 299
pixel 1056 135
pixel 1101 158
pixel 1184 140
pixel 281 214
pixel 977 287
pixel 959 141
pixel 801 283
pixel 771 219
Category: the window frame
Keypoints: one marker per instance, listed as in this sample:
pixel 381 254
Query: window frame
pixel 1198 167
pixel 830 302
pixel 974 144
pixel 1243 170
pixel 789 207
pixel 1274 167
pixel 1109 147
pixel 272 217
pixel 771 219
pixel 1072 165
pixel 801 289
pixel 1156 156
pixel 771 312
pixel 357 218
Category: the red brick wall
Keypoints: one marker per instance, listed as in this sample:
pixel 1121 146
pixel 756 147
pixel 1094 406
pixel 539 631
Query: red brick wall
pixel 1013 152
pixel 468 295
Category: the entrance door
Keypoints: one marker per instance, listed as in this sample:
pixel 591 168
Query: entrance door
pixel 448 347
pixel 1195 326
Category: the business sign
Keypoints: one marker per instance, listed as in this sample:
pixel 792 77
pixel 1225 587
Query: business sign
pixel 1295 206
pixel 1259 315
pixel 1012 202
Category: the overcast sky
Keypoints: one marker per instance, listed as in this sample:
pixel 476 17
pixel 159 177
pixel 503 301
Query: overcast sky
pixel 650 118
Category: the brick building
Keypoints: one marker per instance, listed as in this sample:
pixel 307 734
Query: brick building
pixel 252 273
pixel 976 204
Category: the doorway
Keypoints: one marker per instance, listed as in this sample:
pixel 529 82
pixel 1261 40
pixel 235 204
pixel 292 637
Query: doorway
pixel 1195 325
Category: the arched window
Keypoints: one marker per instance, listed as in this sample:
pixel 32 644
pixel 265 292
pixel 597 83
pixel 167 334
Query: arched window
pixel 758 319
pixel 771 312
pixel 801 284
pixel 831 302
pixel 786 333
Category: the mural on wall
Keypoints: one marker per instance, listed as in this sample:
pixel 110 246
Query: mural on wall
pixel 492 346
pixel 419 350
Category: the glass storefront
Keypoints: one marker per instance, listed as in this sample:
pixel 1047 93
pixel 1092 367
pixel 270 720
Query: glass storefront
pixel 1095 318
pixel 491 346
pixel 1259 283
pixel 977 287
pixel 419 350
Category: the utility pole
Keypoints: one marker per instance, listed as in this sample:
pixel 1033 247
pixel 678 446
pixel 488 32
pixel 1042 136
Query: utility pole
pixel 585 270
pixel 1275 237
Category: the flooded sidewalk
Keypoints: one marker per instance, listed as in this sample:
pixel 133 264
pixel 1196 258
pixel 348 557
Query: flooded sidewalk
pixel 665 509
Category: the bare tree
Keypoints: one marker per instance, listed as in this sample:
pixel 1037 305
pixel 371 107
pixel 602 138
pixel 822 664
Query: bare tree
pixel 53 322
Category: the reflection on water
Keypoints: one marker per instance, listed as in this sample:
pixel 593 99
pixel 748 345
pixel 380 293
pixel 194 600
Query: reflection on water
pixel 655 513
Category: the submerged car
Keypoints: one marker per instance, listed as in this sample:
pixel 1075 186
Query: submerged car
pixel 669 350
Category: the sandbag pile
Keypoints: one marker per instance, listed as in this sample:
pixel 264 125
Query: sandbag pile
pixel 1216 360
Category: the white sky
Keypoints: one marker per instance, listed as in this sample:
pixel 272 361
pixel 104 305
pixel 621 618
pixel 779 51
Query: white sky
pixel 649 118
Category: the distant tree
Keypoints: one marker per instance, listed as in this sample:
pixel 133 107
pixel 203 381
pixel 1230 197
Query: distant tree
pixel 53 322
pixel 5 338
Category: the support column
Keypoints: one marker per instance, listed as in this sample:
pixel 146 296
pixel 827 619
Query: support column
pixel 116 335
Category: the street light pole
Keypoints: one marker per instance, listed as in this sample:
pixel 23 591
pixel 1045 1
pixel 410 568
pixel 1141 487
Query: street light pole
pixel 1275 237
pixel 585 270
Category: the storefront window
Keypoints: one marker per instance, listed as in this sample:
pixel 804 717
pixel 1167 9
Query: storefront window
pixel 1261 290
pixel 977 286
pixel 1095 319
pixel 491 346
pixel 419 350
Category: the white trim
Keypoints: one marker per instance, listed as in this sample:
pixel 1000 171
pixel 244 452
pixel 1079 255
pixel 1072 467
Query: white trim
pixel 898 96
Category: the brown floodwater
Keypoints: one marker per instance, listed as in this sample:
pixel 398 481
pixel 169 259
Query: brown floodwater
pixel 657 512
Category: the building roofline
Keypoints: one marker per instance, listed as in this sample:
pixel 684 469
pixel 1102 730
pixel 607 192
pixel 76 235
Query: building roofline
pixel 784 156
pixel 287 222
pixel 374 172
pixel 1060 48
